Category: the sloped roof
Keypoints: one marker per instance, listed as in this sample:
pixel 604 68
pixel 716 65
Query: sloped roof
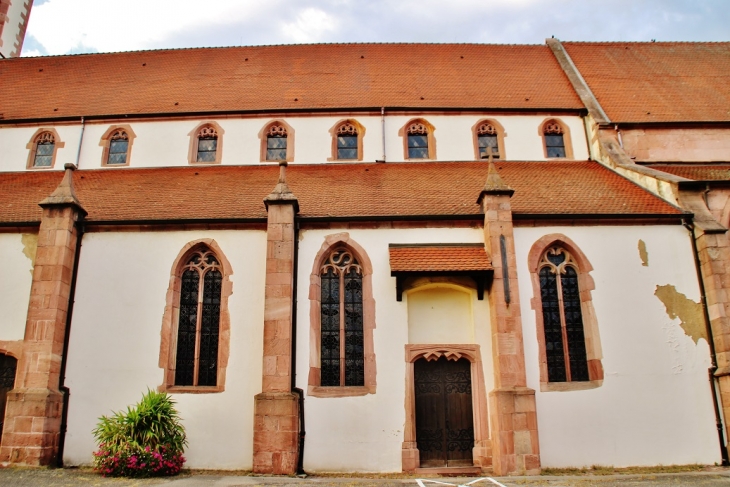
pixel 657 81
pixel 438 258
pixel 399 190
pixel 293 77
pixel 697 172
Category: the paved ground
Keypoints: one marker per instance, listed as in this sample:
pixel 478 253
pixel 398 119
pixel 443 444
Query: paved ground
pixel 12 477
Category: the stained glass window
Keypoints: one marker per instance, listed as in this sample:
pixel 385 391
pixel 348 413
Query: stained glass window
pixel 565 347
pixel 342 344
pixel 196 362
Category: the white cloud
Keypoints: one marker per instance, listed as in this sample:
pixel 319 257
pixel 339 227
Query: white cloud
pixel 311 25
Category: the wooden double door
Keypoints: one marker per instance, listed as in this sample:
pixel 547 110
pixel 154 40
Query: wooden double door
pixel 444 417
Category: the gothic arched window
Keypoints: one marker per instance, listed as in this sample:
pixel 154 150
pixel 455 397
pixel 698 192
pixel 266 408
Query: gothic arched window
pixel 419 140
pixel 565 345
pixel 117 143
pixel 342 352
pixel 207 144
pixel 556 139
pixel 276 143
pixel 488 135
pixel 118 147
pixel 43 147
pixel 348 143
pixel 196 359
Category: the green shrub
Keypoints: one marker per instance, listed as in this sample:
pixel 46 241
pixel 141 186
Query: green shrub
pixel 145 440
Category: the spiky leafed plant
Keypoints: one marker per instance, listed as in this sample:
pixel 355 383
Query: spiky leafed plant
pixel 153 422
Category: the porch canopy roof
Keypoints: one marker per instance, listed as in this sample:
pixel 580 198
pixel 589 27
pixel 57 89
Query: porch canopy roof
pixel 429 260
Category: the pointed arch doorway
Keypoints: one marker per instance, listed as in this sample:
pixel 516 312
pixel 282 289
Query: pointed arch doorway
pixel 446 408
pixel 444 416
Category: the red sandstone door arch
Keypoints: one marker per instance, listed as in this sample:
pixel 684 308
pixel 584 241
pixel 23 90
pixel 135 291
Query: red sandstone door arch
pixel 444 417
pixel 482 450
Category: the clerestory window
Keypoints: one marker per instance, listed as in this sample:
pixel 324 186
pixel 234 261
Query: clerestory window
pixel 45 144
pixel 276 139
pixel 418 141
pixel 118 148
pixel 488 140
pixel 207 147
pixel 347 142
pixel 553 135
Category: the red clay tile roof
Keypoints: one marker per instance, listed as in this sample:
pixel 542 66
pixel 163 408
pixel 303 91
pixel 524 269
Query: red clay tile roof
pixel 698 172
pixel 425 258
pixel 657 81
pixel 441 189
pixel 295 77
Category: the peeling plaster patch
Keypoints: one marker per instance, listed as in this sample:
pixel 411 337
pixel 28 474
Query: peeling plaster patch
pixel 30 245
pixel 688 311
pixel 643 254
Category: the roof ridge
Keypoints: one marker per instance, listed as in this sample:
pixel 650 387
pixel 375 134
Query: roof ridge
pixel 308 44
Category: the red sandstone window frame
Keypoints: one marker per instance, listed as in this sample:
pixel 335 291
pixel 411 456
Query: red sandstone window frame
pixel 430 129
pixel 334 133
pixel 168 334
pixel 264 137
pixel 499 129
pixel 195 136
pixel 32 147
pixel 106 140
pixel 332 242
pixel 567 141
pixel 586 284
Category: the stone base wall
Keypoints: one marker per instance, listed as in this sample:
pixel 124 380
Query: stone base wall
pixel 678 145
pixel 276 433
pixel 31 433
pixel 514 432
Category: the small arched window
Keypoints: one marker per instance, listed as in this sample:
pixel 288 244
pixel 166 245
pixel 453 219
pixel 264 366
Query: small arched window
pixel 488 136
pixel 347 142
pixel 118 148
pixel 342 351
pixel 45 144
pixel 117 143
pixel 565 345
pixel 276 139
pixel 207 144
pixel 196 362
pixel 556 139
pixel 418 141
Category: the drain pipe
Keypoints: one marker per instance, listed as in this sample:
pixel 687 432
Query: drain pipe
pixel 710 340
pixel 64 357
pixel 296 390
pixel 382 130
pixel 81 140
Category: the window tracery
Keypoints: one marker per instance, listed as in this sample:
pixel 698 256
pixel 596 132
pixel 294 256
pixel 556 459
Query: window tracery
pixel 419 142
pixel 196 362
pixel 207 146
pixel 118 147
pixel 487 138
pixel 342 345
pixel 553 135
pixel 45 144
pixel 347 141
pixel 276 143
pixel 565 345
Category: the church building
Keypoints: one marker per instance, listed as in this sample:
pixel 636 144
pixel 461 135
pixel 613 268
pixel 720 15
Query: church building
pixel 433 258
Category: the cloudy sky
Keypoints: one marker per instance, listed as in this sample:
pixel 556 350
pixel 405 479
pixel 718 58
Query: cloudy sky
pixel 76 26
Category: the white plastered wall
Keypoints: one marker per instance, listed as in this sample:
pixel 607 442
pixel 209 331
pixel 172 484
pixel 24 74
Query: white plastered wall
pixel 115 341
pixel 365 433
pixel 15 281
pixel 655 404
pixel 167 143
